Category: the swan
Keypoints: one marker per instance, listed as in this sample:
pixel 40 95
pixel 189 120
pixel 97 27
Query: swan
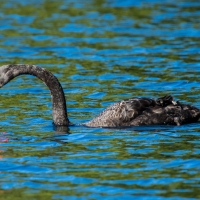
pixel 131 112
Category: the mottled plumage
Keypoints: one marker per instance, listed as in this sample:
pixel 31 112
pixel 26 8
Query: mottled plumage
pixel 146 111
pixel 132 112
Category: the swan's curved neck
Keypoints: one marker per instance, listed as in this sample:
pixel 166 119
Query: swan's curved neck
pixel 59 109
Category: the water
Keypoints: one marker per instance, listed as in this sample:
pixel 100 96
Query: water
pixel 102 52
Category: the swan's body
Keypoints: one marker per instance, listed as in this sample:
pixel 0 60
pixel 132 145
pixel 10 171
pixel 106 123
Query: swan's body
pixel 132 112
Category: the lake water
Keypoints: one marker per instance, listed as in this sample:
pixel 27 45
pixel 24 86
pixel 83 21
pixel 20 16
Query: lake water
pixel 102 51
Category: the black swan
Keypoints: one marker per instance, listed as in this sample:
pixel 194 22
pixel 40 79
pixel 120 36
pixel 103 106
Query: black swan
pixel 131 112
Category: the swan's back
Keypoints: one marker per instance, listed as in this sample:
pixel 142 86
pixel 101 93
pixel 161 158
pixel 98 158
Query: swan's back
pixel 146 111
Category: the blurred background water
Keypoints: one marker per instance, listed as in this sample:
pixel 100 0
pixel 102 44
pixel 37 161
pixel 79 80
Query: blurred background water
pixel 102 51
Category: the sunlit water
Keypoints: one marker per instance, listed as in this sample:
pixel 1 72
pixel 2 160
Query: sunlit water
pixel 102 52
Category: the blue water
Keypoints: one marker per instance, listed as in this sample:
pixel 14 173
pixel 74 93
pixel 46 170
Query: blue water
pixel 102 52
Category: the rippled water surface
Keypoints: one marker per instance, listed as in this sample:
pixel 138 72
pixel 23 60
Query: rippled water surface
pixel 102 51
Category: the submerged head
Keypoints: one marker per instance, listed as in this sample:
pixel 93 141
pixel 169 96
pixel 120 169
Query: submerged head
pixel 4 75
pixel 8 72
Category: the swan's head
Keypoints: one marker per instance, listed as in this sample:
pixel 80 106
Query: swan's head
pixel 5 75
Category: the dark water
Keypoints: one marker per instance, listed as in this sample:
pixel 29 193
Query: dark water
pixel 102 51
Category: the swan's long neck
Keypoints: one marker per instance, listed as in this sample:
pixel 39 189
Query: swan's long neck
pixel 59 110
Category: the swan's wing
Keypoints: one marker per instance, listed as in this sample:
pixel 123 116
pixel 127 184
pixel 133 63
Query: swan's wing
pixel 126 111
pixel 121 113
pixel 171 114
pixel 145 111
